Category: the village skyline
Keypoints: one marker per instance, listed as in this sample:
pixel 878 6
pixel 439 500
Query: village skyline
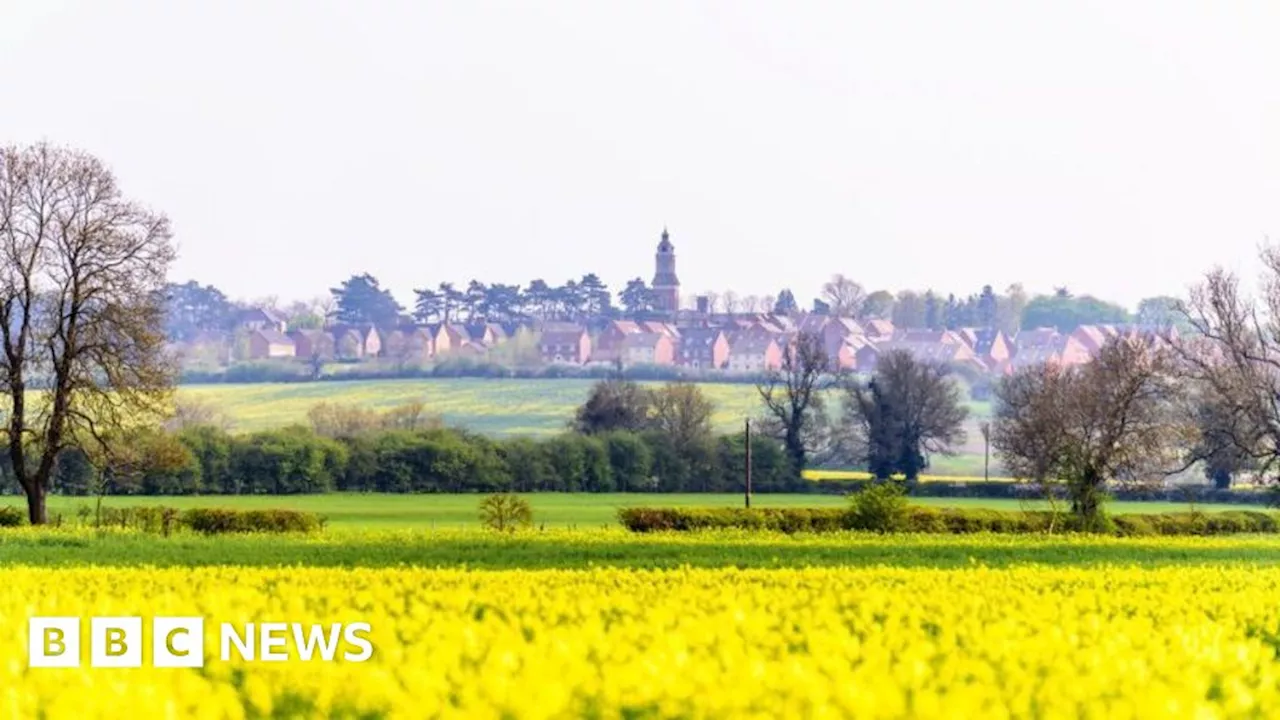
pixel 686 295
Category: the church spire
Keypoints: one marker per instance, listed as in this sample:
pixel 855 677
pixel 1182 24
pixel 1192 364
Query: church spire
pixel 665 245
pixel 666 286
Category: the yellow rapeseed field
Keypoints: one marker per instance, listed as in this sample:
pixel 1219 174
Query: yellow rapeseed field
pixel 1032 641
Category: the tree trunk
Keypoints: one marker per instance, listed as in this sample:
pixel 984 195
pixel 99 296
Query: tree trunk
pixel 1086 501
pixel 37 513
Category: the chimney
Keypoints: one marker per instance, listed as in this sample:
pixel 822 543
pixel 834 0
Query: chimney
pixel 703 304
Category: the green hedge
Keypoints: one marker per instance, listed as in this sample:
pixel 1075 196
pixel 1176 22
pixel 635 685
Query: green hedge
pixel 939 520
pixel 224 520
pixel 164 520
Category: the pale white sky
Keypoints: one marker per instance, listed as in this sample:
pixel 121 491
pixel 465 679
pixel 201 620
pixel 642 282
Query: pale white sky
pixel 1118 148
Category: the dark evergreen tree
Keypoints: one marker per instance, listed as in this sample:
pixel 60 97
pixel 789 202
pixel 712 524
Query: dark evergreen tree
pixel 361 301
pixel 786 303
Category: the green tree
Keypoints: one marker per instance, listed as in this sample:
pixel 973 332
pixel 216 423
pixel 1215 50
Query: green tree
pixel 878 305
pixel 636 298
pixel 192 308
pixel 1163 312
pixel 429 306
pixel 614 404
pixel 907 410
pixel 360 301
pixel 1066 313
pixel 909 311
pixel 630 461
pixel 988 307
pixel 786 303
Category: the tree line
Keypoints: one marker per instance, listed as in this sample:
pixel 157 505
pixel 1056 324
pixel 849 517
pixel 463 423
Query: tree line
pixel 408 450
pixel 192 308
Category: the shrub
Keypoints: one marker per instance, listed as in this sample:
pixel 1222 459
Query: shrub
pixel 505 512
pixel 214 521
pixel 936 520
pixel 881 507
pixel 12 517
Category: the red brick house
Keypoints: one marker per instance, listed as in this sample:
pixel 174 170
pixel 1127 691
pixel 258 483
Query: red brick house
pixel 703 348
pixel 647 349
pixel 565 346
pixel 312 343
pixel 407 343
pixel 270 343
pixel 754 353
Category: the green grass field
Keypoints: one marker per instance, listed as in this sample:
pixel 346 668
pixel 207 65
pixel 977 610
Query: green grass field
pixel 554 510
pixel 579 549
pixel 499 406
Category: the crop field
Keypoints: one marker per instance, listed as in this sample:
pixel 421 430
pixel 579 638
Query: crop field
pixel 561 510
pixel 535 407
pixel 491 405
pixel 602 623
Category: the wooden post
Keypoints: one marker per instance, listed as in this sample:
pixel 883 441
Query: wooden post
pixel 748 440
pixel 985 427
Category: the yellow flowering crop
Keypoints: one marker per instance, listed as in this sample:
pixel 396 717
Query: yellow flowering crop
pixel 869 643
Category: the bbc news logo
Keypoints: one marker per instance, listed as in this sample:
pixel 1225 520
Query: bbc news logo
pixel 178 642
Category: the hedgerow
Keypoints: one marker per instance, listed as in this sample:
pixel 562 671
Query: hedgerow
pixel 937 520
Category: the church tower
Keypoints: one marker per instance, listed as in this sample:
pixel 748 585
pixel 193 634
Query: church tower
pixel 666 287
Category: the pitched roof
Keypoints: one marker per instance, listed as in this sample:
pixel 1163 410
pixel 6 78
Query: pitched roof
pixel 848 325
pixel 625 326
pixel 260 314
pixel 275 337
pixel 563 336
pixel 920 335
pixel 654 326
pixel 938 352
pixel 642 340
pixel 1040 337
pixel 752 344
pixel 699 336
pixel 878 327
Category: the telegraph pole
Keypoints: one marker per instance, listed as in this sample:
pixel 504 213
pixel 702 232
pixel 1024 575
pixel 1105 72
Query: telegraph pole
pixel 748 442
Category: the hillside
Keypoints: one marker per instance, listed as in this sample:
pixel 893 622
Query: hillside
pixel 495 406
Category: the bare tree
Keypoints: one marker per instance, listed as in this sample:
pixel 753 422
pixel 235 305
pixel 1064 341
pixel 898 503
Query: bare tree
pixel 793 395
pixel 411 415
pixel 195 412
pixel 713 302
pixel 1113 419
pixel 731 302
pixel 682 412
pixel 751 303
pixel 338 420
pixel 1233 355
pixel 82 272
pixel 843 296
pixel 327 308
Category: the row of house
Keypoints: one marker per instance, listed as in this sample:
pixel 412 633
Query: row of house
pixel 735 343
pixel 752 344
pixel 411 343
